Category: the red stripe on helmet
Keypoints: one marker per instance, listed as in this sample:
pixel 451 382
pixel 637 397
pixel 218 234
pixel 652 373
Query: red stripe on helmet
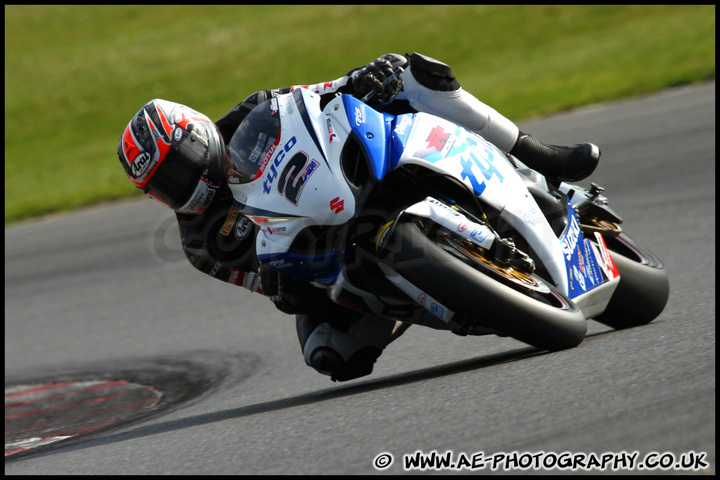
pixel 165 124
pixel 163 147
pixel 184 121
pixel 130 147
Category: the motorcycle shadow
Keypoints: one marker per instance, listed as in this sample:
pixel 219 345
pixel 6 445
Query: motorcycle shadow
pixel 316 397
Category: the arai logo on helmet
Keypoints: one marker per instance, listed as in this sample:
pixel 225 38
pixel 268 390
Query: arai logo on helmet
pixel 140 164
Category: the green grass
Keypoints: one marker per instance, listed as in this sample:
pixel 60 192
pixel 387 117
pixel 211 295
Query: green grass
pixel 74 75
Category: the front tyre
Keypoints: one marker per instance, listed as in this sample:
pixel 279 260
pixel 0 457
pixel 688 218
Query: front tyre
pixel 644 287
pixel 538 315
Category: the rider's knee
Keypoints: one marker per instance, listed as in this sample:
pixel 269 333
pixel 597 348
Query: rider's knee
pixel 345 351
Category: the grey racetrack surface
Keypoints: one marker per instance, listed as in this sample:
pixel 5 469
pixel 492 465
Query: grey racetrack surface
pixel 109 286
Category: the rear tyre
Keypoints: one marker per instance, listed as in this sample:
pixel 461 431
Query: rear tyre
pixel 524 306
pixel 644 288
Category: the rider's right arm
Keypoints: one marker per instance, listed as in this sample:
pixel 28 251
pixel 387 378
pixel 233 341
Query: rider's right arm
pixel 221 243
pixel 231 120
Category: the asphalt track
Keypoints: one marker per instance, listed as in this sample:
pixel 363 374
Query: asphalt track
pixel 107 290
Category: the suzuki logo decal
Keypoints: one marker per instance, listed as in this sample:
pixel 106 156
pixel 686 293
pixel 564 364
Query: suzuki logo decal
pixel 337 205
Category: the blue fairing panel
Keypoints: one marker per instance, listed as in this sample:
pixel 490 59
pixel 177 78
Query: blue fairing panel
pixel 583 269
pixel 371 128
pixel 323 268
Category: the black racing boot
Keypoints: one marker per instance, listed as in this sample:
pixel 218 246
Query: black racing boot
pixel 569 164
pixel 344 344
pixel 329 362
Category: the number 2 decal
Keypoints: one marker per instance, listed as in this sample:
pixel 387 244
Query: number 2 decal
pixel 295 175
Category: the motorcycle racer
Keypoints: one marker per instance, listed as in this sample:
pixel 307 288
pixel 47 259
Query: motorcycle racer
pixel 177 156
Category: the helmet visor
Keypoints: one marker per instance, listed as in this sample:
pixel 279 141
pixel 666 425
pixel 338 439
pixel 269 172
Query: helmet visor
pixel 178 174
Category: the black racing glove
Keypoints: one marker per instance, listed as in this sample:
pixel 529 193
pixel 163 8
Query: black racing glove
pixel 290 295
pixel 268 280
pixel 377 83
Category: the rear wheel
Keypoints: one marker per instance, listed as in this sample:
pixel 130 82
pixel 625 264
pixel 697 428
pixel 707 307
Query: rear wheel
pixel 497 296
pixel 644 287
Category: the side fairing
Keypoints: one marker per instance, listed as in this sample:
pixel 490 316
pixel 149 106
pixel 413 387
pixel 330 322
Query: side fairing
pixel 445 147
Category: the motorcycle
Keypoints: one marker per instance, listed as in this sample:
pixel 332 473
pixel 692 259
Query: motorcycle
pixel 419 220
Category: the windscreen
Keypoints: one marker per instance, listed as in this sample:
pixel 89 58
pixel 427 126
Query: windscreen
pixel 253 141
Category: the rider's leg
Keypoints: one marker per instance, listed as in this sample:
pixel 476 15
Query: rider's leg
pixel 345 346
pixel 571 163
pixel 429 86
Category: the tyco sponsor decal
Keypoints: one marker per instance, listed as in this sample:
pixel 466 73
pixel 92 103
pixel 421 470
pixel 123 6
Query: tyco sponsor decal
pixel 276 163
pixel 483 164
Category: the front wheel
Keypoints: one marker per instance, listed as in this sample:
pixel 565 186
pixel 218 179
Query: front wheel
pixel 520 305
pixel 644 287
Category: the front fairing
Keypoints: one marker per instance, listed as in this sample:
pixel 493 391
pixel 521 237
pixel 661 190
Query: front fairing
pixel 297 184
